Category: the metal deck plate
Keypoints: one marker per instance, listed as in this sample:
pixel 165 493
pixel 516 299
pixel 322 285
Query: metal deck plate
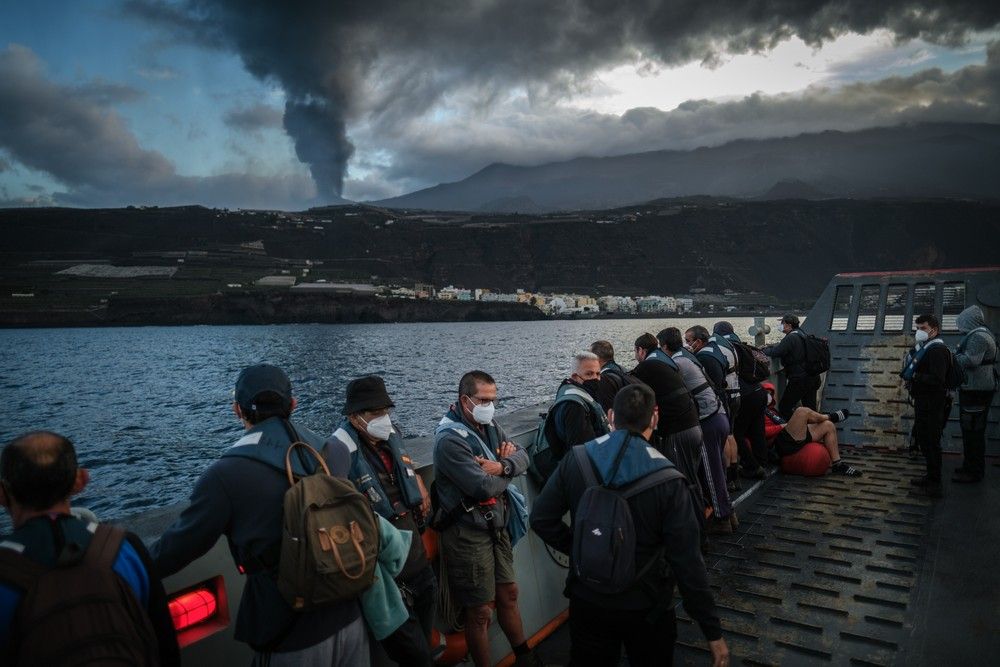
pixel 821 570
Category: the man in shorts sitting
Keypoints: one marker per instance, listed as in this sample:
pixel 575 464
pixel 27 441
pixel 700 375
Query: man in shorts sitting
pixel 806 426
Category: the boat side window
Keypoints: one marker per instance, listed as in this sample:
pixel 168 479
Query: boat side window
pixel 842 307
pixel 895 307
pixel 923 301
pixel 868 307
pixel 952 303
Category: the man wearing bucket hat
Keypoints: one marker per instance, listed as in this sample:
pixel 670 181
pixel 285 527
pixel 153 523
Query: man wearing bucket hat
pixel 383 471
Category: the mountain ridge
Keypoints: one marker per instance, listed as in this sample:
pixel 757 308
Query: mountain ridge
pixel 925 159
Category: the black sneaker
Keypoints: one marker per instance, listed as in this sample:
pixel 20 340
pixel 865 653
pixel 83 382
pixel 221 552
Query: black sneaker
pixel 758 473
pixel 843 468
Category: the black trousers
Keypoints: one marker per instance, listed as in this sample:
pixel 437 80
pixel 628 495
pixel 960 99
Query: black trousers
pixel 598 633
pixel 798 389
pixel 929 416
pixel 974 410
pixel 408 645
pixel 750 425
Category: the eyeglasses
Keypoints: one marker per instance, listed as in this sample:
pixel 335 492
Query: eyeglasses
pixel 380 412
pixel 481 401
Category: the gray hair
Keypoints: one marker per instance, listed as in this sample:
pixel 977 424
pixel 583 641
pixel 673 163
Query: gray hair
pixel 583 356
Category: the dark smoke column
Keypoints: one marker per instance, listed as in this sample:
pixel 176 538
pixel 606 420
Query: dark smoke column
pixel 320 136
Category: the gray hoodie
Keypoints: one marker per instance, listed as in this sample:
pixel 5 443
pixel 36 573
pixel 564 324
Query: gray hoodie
pixel 979 355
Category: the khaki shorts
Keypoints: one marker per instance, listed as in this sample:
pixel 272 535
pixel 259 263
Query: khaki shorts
pixel 476 564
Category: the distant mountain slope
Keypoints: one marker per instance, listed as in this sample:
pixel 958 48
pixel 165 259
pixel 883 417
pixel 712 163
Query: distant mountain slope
pixel 941 160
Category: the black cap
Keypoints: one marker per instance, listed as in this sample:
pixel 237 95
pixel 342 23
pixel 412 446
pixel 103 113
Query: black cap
pixel 791 319
pixel 366 393
pixel 723 328
pixel 255 380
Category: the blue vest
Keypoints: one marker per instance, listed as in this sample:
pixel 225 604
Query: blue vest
pixel 268 441
pixel 660 355
pixel 367 480
pixel 716 351
pixel 913 360
pixel 517 516
pixel 637 461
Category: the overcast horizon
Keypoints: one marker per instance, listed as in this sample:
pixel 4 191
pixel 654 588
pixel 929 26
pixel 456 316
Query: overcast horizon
pixel 261 105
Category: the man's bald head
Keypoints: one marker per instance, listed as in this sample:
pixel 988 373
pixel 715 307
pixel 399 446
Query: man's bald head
pixel 39 469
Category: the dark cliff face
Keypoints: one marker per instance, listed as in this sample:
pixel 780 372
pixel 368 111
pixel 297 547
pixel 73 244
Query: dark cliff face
pixel 786 248
pixel 273 308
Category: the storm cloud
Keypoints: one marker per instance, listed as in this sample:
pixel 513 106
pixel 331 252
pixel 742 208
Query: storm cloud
pixel 254 118
pixel 382 64
pixel 71 133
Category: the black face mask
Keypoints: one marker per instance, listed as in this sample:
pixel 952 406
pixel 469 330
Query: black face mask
pixel 591 386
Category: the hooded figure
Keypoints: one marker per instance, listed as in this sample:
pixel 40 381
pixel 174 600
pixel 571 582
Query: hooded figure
pixel 977 352
pixel 977 355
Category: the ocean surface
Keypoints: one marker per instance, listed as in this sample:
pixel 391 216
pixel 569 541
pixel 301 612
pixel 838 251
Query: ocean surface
pixel 149 408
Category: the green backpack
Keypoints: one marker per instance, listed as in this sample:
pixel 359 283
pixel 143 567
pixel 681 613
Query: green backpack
pixel 330 539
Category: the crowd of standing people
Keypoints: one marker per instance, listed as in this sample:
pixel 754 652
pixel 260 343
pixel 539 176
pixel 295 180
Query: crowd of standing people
pixel 646 463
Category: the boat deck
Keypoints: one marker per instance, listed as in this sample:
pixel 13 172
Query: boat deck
pixel 853 571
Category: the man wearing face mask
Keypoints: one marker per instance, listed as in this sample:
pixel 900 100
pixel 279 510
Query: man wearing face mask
pixel 925 373
pixel 577 417
pixel 792 351
pixel 480 515
pixel 382 470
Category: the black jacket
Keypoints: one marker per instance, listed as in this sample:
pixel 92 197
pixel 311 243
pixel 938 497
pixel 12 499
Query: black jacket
pixel 792 352
pixel 678 411
pixel 931 373
pixel 663 516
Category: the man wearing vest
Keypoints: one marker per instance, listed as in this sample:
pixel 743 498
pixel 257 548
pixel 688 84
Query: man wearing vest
pixel 577 417
pixel 925 374
pixel 54 563
pixel 612 375
pixel 678 433
pixel 382 470
pixel 977 355
pixel 480 515
pixel 639 613
pixel 799 387
pixel 241 496
pixel 714 428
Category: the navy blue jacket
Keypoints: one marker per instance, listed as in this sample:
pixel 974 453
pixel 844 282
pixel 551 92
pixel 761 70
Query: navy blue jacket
pixel 242 499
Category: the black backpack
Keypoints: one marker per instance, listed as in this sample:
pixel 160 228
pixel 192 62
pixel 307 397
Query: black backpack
pixel 753 365
pixel 66 609
pixel 603 532
pixel 817 357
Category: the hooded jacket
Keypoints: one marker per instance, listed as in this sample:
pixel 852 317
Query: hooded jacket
pixel 977 352
pixel 663 517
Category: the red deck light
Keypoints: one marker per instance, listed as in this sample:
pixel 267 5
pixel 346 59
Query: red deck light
pixel 193 607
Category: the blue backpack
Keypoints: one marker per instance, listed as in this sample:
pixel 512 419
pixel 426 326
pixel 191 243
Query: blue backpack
pixel 603 532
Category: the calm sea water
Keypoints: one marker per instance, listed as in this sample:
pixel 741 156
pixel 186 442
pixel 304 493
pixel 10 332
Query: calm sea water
pixel 150 407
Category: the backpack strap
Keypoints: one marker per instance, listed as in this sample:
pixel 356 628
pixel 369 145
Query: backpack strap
pixel 650 480
pixel 586 467
pixel 103 548
pixel 19 570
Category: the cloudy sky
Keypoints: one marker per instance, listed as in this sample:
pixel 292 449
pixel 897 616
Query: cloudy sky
pixel 253 103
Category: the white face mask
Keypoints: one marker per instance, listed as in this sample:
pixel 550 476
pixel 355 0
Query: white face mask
pixel 921 336
pixel 687 346
pixel 483 414
pixel 380 428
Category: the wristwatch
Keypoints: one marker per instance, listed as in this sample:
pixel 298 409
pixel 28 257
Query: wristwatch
pixel 507 468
